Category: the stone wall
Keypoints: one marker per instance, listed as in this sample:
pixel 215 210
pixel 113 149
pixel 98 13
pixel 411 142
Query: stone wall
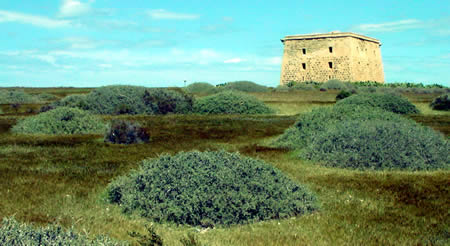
pixel 344 58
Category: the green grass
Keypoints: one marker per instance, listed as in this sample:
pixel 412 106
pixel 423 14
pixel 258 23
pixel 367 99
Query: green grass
pixel 60 178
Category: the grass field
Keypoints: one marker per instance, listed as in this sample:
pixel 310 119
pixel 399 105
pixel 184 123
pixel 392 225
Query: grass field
pixel 60 179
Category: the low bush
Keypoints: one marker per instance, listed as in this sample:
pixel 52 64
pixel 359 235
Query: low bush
pixel 201 88
pixel 441 102
pixel 318 120
pixel 231 102
pixel 71 101
pixel 387 101
pixel 245 86
pixel 13 232
pixel 209 188
pixel 16 96
pixel 378 145
pixel 164 101
pixel 125 132
pixel 61 120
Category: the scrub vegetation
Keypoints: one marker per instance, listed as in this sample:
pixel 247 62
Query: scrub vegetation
pixel 51 181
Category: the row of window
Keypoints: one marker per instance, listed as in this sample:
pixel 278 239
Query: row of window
pixel 330 65
pixel 330 49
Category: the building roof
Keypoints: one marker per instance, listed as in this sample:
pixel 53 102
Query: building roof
pixel 330 35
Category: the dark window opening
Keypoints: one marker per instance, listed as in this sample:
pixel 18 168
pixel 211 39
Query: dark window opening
pixel 304 51
pixel 330 49
pixel 330 64
pixel 329 77
pixel 304 65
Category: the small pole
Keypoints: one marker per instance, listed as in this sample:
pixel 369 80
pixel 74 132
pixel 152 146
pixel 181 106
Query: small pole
pixel 184 83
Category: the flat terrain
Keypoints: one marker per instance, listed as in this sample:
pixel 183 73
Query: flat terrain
pixel 60 179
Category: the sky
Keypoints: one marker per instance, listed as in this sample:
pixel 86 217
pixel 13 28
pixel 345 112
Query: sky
pixel 90 43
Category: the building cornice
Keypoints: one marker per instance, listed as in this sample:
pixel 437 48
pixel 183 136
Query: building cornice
pixel 330 35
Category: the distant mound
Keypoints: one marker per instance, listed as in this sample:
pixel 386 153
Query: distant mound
pixel 231 102
pixel 201 87
pixel 386 101
pixel 245 86
pixel 209 188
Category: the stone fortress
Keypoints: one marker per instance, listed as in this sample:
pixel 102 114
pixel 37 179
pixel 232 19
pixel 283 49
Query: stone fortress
pixel 341 56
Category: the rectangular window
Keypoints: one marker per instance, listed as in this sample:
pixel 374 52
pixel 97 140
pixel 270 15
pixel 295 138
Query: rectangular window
pixel 330 49
pixel 330 64
pixel 304 51
pixel 304 65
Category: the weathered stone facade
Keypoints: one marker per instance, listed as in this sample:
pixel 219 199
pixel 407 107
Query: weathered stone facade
pixel 338 55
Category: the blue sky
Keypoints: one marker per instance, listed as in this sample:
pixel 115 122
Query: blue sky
pixel 162 43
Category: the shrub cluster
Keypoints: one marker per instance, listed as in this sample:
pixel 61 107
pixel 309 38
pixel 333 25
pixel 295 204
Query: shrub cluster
pixel 378 145
pixel 61 120
pixel 363 137
pixel 231 102
pixel 319 119
pixel 389 102
pixel 202 88
pixel 344 94
pixel 122 99
pixel 209 188
pixel 16 96
pixel 46 97
pixel 124 132
pixel 13 232
pixel 245 86
pixel 441 103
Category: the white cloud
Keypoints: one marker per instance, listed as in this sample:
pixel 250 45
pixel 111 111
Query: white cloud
pixel 74 8
pixel 162 14
pixel 46 58
pixel 391 26
pixel 40 21
pixel 233 60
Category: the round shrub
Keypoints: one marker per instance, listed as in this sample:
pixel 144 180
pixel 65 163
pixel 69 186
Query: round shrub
pixel 118 99
pixel 61 120
pixel 245 86
pixel 125 132
pixel 388 102
pixel 13 232
pixel 441 103
pixel 16 96
pixel 319 119
pixel 379 145
pixel 201 88
pixel 71 101
pixel 231 102
pixel 208 188
pixel 164 101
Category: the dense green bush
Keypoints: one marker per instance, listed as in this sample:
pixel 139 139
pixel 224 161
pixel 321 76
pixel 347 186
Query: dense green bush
pixel 72 101
pixel 379 144
pixel 164 101
pixel 388 102
pixel 441 103
pixel 231 102
pixel 208 188
pixel 118 99
pixel 13 232
pixel 318 120
pixel 202 87
pixel 16 96
pixel 245 86
pixel 61 120
pixel 124 132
